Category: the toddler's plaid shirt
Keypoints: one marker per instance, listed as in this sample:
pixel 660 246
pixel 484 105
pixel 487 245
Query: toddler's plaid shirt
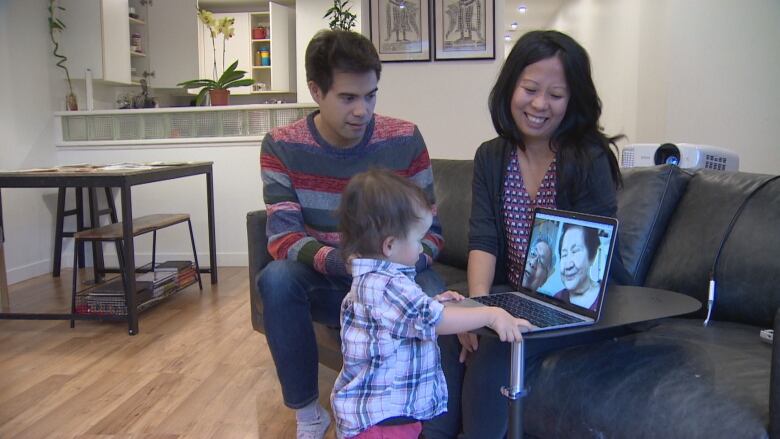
pixel 391 359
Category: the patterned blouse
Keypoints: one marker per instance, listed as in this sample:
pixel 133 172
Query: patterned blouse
pixel 518 211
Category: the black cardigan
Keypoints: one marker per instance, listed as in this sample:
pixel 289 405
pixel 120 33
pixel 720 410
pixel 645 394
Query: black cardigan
pixel 486 226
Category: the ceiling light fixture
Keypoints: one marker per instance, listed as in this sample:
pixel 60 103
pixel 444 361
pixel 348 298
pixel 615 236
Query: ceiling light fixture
pixel 513 25
pixel 507 37
pixel 522 9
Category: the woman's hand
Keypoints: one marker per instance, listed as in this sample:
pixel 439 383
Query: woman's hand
pixel 448 296
pixel 469 343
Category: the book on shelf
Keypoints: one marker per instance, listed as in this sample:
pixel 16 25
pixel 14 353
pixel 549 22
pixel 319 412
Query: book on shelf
pixel 173 266
pixel 117 288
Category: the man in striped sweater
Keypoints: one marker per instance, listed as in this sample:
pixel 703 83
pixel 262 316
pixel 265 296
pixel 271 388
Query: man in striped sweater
pixel 304 167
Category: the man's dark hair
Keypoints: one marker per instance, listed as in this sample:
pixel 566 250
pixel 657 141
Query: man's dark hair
pixel 589 235
pixel 338 50
pixel 580 125
pixel 377 204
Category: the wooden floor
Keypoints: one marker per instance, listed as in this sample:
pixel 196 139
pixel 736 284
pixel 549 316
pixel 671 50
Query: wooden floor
pixel 196 370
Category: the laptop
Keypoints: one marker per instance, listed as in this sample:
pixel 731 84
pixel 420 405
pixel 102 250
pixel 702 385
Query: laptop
pixel 565 273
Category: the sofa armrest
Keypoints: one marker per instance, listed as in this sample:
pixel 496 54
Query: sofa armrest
pixel 258 259
pixel 774 386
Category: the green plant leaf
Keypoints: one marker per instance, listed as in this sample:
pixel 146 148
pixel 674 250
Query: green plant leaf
pixel 201 95
pixel 239 83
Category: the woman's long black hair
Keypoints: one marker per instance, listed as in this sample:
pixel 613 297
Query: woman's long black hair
pixel 579 128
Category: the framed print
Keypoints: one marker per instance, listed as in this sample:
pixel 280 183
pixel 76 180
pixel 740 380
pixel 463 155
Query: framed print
pixel 464 29
pixel 400 29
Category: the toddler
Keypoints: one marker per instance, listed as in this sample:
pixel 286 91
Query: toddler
pixel 392 377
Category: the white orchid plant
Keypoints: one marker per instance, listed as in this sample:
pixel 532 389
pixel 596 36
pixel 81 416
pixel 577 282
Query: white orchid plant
pixel 216 27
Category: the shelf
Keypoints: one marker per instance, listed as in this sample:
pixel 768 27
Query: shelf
pixel 139 54
pixel 262 67
pixel 136 21
pixel 107 300
pixel 264 40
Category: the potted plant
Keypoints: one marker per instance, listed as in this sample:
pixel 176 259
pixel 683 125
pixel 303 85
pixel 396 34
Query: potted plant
pixel 340 16
pixel 218 90
pixel 56 25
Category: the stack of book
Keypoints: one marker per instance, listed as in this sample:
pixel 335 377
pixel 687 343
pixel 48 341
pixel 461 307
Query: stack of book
pixel 184 271
pixel 109 298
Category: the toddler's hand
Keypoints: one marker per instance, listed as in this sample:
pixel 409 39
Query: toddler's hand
pixel 448 296
pixel 507 327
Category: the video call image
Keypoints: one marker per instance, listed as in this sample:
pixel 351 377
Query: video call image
pixel 567 260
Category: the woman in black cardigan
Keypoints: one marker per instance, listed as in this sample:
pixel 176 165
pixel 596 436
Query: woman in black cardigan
pixel 550 152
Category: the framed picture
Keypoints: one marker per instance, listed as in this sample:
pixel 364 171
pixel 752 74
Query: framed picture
pixel 464 29
pixel 400 29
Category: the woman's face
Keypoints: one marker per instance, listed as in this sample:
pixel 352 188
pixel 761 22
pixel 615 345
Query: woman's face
pixel 540 99
pixel 574 261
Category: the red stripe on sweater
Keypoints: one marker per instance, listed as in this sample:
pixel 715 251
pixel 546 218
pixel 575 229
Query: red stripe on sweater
pixel 270 162
pixel 296 132
pixel 389 127
pixel 319 183
pixel 279 247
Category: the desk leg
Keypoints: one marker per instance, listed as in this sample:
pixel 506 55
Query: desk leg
pixel 516 391
pixel 97 246
pixel 4 300
pixel 128 257
pixel 212 234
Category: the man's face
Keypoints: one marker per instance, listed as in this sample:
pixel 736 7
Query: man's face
pixel 537 265
pixel 347 108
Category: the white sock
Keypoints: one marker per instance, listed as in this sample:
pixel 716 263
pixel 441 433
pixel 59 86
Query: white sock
pixel 310 413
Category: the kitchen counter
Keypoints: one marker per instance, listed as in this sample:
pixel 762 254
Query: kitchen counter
pixel 191 126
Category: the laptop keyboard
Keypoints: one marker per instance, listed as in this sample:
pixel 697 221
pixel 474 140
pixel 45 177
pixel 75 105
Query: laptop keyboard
pixel 539 315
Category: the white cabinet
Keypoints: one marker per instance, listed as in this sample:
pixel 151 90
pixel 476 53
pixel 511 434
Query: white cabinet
pixel 172 35
pixel 279 23
pixel 236 48
pixel 98 37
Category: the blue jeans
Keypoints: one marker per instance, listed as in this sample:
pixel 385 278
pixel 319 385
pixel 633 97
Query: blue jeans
pixel 294 295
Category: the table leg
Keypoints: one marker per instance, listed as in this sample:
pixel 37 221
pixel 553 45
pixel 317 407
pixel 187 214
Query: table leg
pixel 4 300
pixel 97 246
pixel 516 391
pixel 128 257
pixel 212 234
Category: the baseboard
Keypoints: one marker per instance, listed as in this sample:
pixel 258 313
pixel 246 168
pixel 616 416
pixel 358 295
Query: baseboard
pixel 22 273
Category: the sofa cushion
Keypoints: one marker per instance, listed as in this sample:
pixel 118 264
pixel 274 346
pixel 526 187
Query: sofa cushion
pixel 645 203
pixel 747 271
pixel 452 184
pixel 677 380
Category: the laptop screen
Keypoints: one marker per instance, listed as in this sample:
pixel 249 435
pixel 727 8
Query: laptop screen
pixel 568 259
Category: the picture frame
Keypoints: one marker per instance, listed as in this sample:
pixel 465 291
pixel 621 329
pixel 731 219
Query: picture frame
pixel 400 29
pixel 473 37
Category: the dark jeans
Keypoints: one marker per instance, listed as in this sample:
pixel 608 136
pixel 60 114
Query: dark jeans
pixel 293 296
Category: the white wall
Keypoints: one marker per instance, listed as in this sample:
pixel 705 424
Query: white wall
pixel 696 71
pixel 446 99
pixel 31 87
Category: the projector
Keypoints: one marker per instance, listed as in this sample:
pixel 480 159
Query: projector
pixel 684 155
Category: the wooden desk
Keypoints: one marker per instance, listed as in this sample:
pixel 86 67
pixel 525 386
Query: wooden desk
pixel 124 179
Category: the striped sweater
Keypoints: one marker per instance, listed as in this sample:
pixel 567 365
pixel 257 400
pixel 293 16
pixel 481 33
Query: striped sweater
pixel 303 177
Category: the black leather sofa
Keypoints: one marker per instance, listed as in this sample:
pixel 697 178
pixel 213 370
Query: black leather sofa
pixel 675 378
